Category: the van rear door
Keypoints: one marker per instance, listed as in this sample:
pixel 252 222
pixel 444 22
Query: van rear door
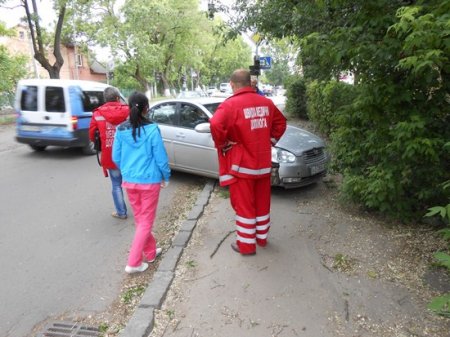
pixel 44 111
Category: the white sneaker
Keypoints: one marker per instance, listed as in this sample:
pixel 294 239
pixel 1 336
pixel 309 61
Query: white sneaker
pixel 158 253
pixel 138 269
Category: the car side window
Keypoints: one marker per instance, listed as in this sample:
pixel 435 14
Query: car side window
pixel 28 99
pixel 54 99
pixel 163 114
pixel 92 100
pixel 190 116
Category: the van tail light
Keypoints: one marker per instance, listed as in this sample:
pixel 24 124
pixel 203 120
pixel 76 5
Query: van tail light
pixel 74 123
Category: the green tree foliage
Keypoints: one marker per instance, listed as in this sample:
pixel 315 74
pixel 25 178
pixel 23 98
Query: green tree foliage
pixel 11 67
pixel 283 53
pixel 388 143
pixel 160 41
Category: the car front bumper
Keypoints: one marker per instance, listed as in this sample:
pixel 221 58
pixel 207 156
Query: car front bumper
pixel 304 171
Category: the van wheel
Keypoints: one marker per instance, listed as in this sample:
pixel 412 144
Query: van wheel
pixel 38 148
pixel 89 149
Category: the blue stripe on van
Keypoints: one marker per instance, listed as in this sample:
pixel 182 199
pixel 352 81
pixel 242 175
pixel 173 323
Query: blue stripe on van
pixel 76 100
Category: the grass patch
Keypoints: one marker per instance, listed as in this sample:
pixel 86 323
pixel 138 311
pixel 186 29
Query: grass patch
pixel 223 192
pixel 7 119
pixel 132 293
pixel 343 263
pixel 191 264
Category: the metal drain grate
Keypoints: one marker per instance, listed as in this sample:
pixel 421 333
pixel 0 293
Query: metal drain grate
pixel 69 329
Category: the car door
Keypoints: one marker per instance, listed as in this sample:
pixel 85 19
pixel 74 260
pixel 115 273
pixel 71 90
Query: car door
pixel 194 151
pixel 164 114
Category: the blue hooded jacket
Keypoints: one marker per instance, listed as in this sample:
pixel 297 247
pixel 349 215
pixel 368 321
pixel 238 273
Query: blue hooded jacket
pixel 143 161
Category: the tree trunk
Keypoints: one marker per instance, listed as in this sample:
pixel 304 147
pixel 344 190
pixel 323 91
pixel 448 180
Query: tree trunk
pixel 37 39
pixel 140 78
pixel 166 86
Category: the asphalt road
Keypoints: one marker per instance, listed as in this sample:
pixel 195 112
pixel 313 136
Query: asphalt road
pixel 60 249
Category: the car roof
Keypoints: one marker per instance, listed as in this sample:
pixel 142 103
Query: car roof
pixel 64 83
pixel 197 100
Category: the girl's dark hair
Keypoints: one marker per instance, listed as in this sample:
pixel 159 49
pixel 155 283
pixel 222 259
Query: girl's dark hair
pixel 138 104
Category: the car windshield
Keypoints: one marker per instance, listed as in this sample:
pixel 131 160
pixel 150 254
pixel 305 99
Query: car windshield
pixel 191 94
pixel 212 107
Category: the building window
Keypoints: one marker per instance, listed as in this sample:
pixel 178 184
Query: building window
pixel 22 35
pixel 79 60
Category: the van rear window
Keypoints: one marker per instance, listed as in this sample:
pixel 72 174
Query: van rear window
pixel 54 99
pixel 92 100
pixel 28 99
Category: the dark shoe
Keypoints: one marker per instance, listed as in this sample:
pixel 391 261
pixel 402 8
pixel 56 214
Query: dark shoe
pixel 118 216
pixel 235 247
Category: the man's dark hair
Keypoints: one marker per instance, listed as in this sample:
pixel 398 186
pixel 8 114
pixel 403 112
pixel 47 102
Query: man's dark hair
pixel 111 94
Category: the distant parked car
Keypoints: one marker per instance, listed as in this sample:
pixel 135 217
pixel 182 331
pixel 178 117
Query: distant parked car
pixel 225 87
pixel 211 90
pixel 185 129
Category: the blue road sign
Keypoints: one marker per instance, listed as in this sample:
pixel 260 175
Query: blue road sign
pixel 265 62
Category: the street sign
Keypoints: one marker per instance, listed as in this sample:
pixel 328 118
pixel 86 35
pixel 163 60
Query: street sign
pixel 256 38
pixel 265 62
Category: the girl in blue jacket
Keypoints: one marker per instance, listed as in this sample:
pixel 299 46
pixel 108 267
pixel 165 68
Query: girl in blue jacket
pixel 139 153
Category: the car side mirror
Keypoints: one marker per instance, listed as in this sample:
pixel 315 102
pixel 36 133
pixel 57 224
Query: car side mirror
pixel 203 128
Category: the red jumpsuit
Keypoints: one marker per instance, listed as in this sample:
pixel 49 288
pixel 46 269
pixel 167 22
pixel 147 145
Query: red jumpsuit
pixel 243 129
pixel 106 118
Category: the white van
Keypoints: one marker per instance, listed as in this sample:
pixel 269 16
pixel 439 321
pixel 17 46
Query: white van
pixel 56 112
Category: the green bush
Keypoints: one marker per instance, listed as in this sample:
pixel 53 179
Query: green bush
pixel 389 147
pixel 389 143
pixel 325 101
pixel 441 304
pixel 296 98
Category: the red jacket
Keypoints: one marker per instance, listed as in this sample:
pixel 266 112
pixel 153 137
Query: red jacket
pixel 243 128
pixel 106 118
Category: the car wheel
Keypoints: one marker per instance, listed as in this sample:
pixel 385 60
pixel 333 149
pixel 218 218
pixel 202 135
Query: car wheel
pixel 38 148
pixel 89 149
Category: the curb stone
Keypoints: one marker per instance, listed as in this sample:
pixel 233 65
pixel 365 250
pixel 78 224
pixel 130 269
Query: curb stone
pixel 142 320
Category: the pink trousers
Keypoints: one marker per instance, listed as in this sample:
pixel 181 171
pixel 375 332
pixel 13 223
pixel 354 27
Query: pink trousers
pixel 144 203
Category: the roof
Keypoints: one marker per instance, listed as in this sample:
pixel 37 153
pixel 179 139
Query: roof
pixel 98 68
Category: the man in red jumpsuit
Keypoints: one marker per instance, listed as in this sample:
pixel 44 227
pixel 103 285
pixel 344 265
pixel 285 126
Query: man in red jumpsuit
pixel 106 118
pixel 243 128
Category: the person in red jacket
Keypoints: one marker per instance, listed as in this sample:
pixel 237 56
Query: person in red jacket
pixel 105 119
pixel 243 128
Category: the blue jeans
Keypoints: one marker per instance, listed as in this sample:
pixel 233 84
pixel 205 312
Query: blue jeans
pixel 117 193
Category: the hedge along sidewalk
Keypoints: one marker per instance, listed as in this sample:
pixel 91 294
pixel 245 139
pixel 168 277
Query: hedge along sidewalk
pixel 142 321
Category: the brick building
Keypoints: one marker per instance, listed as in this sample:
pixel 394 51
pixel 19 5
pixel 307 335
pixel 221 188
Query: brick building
pixel 76 65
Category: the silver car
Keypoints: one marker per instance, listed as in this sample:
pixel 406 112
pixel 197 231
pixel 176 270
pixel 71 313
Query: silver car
pixel 184 125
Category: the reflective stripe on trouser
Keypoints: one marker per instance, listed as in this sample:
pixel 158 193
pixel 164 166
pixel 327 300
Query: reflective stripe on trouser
pixel 250 199
pixel 144 203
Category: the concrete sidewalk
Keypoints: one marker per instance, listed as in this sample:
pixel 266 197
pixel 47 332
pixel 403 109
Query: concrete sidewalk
pixel 203 288
pixel 226 294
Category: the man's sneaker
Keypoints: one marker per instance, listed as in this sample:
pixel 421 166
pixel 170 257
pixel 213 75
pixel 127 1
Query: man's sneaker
pixel 158 253
pixel 138 269
pixel 118 216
